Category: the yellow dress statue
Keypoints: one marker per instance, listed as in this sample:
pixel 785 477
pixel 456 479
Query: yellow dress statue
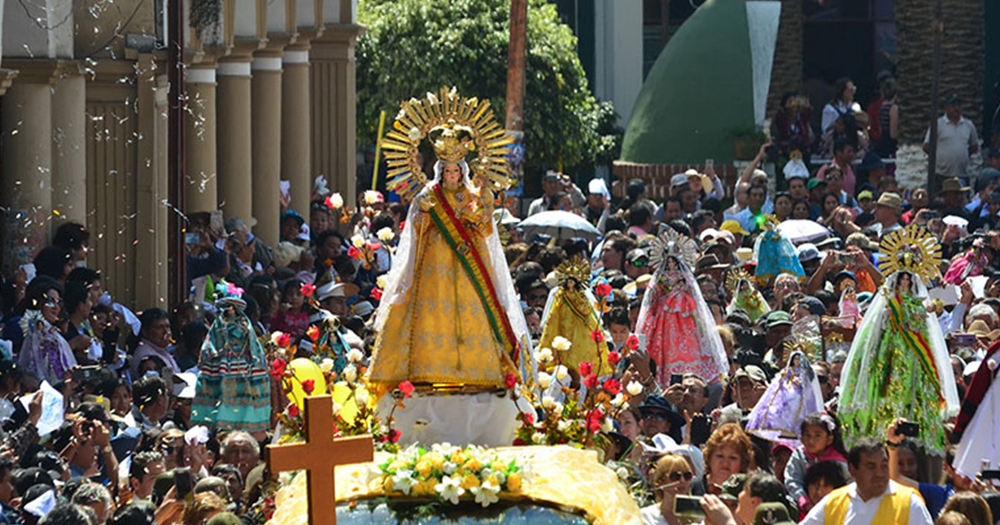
pixel 449 315
pixel 441 332
pixel 570 313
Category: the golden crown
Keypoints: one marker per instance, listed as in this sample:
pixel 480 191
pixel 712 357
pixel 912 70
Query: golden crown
pixel 673 244
pixel 448 146
pixel 733 278
pixel 456 126
pixel 576 268
pixel 912 249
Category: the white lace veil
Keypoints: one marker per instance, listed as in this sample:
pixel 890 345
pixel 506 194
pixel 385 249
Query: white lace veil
pixel 866 344
pixel 400 277
pixel 708 335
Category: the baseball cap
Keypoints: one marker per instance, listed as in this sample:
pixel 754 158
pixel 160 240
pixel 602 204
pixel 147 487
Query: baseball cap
pixel 754 372
pixel 636 254
pixel 777 318
pixel 679 179
pixel 551 176
pixel 814 183
pixel 807 252
pixel 732 487
pixel 865 195
pixel 733 227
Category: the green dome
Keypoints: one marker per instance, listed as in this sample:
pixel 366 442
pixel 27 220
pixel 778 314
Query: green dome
pixel 701 89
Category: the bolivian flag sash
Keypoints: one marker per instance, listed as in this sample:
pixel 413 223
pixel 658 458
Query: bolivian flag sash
pixel 472 261
pixel 914 341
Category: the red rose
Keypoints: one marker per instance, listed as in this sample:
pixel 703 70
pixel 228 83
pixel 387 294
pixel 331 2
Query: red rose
pixel 613 386
pixel 602 290
pixel 594 421
pixel 376 294
pixel 307 289
pixel 394 435
pixel 293 410
pixel 528 418
pixel 313 333
pixel 354 253
pixel 586 368
pixel 510 381
pixel 597 335
pixel 282 339
pixel 614 357
pixel 278 368
pixel 308 386
pixel 374 246
pixel 518 442
pixel 406 388
pixel 590 381
pixel 632 342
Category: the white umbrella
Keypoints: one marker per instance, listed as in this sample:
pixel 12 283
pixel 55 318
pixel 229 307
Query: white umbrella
pixel 559 224
pixel 799 231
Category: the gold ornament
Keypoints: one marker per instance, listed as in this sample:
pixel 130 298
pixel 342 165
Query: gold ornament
pixel 733 278
pixel 673 244
pixel 456 127
pixel 912 249
pixel 577 269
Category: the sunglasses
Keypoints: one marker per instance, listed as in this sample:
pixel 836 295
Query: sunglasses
pixel 677 475
pixel 659 417
pixel 52 302
pixel 640 262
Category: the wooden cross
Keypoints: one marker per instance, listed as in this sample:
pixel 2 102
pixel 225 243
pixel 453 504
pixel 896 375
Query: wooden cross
pixel 319 455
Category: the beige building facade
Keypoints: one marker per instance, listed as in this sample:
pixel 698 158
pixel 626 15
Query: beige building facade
pixel 87 115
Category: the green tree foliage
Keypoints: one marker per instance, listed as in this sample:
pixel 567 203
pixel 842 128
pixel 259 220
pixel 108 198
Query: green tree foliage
pixel 415 46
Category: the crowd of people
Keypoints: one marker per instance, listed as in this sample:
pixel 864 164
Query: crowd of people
pixel 790 357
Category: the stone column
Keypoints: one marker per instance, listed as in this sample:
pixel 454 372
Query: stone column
pixel 266 136
pixel 295 126
pixel 234 141
pixel 26 161
pixel 152 220
pixel 200 161
pixel 334 135
pixel 69 158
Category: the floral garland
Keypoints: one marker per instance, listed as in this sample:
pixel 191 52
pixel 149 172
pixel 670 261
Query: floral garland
pixel 363 422
pixel 451 473
pixel 568 415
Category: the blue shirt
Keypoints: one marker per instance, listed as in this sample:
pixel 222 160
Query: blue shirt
pixel 935 497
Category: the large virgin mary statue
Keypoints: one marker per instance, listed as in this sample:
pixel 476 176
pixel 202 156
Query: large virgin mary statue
pixel 449 316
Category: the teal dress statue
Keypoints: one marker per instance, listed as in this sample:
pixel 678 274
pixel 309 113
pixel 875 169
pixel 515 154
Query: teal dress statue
pixel 233 390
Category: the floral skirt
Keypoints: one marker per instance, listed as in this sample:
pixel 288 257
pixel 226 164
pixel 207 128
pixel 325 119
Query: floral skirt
pixel 233 402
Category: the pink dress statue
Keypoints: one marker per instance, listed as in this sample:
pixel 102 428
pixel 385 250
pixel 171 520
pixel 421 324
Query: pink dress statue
pixel 679 329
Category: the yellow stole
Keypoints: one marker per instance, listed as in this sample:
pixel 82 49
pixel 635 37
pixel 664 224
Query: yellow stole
pixel 894 508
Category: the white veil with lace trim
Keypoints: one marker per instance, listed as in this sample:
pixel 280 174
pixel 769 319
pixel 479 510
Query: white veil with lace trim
pixel 708 335
pixel 400 277
pixel 865 348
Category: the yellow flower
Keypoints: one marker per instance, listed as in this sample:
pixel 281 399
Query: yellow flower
pixel 387 484
pixel 457 457
pixel 473 465
pixel 424 488
pixel 493 480
pixel 470 481
pixel 437 461
pixel 396 465
pixel 497 466
pixel 514 481
pixel 423 468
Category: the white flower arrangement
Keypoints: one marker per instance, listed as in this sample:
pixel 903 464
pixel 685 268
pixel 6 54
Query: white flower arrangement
pixel 452 473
